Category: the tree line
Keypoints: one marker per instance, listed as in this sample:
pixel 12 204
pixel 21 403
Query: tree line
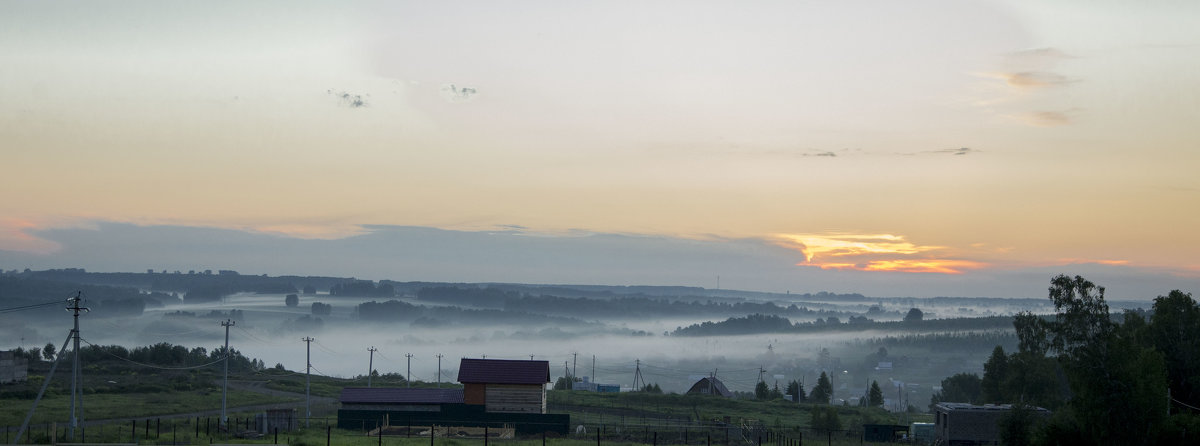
pixel 1108 379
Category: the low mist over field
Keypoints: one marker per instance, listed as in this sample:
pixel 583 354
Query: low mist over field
pixel 674 334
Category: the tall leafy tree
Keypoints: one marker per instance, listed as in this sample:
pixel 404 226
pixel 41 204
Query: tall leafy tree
pixel 761 391
pixel 823 391
pixel 48 351
pixel 960 388
pixel 995 373
pixel 1107 365
pixel 875 396
pixel 1175 331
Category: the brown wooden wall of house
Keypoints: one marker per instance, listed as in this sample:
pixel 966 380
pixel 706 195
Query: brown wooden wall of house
pixel 474 393
pixel 516 398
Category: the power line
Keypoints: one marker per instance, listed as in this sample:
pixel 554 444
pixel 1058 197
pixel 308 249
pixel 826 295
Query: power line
pixel 1181 403
pixel 29 307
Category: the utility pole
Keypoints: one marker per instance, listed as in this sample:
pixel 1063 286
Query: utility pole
pixel 593 368
pixel 307 372
pixel 76 389
pixel 574 362
pixel 408 374
pixel 225 386
pixel 570 379
pixel 637 376
pixel 439 356
pixel 760 373
pixel 371 365
pixel 530 357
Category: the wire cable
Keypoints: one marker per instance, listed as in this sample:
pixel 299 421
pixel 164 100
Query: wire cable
pixel 1181 403
pixel 29 307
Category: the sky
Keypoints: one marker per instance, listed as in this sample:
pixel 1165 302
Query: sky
pixel 913 148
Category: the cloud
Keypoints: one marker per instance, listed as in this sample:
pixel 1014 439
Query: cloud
pixel 1037 56
pixel 874 252
pixel 958 151
pixel 1045 118
pixel 1029 80
pixel 1077 261
pixel 15 235
pixel 349 99
pixel 453 93
pixel 1035 79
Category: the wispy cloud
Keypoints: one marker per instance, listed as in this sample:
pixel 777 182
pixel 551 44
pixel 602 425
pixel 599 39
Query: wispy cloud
pixel 1035 79
pixel 957 152
pixel 351 100
pixel 16 234
pixel 824 154
pixel 1078 261
pixel 874 252
pixel 1045 118
pixel 1037 56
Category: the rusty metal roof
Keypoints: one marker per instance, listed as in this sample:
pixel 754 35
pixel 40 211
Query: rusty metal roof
pixel 503 371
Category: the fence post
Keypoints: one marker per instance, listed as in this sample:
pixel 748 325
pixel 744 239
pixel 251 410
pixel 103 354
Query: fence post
pixel 157 427
pixel 431 428
pixel 485 435
pixel 655 438
pixel 598 434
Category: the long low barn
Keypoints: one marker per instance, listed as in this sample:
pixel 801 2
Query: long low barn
pixel 495 393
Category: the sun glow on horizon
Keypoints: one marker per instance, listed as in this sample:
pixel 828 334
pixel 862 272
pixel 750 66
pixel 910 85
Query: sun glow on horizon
pixel 873 252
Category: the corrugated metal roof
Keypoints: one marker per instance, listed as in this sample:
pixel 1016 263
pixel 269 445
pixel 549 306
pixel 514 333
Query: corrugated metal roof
pixel 362 395
pixel 503 371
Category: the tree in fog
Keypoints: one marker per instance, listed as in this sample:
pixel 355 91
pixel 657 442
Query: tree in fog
pixel 761 391
pixel 875 397
pixel 995 372
pixel 960 388
pixel 796 390
pixel 321 309
pixel 292 300
pixel 823 391
pixel 48 351
pixel 914 315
